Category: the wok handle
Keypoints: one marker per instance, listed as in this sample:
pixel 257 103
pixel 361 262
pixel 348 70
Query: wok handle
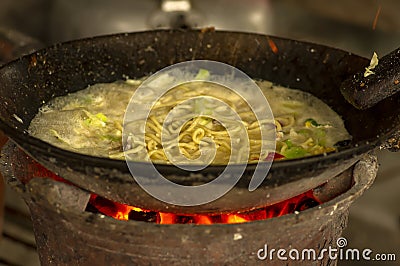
pixel 364 92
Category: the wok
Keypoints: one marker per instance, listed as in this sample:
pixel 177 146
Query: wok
pixel 27 83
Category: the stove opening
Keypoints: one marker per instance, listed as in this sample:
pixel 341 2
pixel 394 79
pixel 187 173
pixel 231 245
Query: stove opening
pixel 120 211
pixel 101 205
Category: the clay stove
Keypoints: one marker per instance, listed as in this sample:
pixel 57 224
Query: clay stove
pixel 71 228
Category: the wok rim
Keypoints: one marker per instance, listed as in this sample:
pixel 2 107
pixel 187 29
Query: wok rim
pixel 29 143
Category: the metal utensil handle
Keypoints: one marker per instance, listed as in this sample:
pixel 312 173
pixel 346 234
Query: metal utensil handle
pixel 384 81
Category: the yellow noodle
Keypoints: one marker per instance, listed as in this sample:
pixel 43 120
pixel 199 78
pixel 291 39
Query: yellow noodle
pixel 197 135
pixel 306 144
pixel 171 130
pixel 286 120
pixel 159 105
pixel 153 127
pixel 254 125
pixel 289 126
pixel 278 125
pixel 193 124
pixel 156 152
pixel 189 145
pixel 152 118
pixel 185 153
pixel 130 151
pixel 190 154
pixel 153 136
pixel 284 147
pixel 216 133
pixel 223 144
pixel 152 145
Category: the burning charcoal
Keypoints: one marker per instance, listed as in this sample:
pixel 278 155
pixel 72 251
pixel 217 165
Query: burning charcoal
pixel 143 216
pixel 91 208
pixel 309 203
pixel 104 206
pixel 186 219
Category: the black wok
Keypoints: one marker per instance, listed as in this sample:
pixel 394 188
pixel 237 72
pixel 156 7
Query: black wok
pixel 25 84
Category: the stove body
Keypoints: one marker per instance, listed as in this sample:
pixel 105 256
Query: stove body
pixel 66 234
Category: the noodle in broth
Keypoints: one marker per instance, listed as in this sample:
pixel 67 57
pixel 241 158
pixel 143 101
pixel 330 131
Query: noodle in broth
pixel 90 121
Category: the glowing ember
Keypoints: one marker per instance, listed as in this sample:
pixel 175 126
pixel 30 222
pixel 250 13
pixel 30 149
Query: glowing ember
pixel 273 46
pixel 125 212
pixel 378 12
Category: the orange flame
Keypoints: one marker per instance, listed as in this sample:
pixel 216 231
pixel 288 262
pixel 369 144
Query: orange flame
pixel 234 219
pixel 124 212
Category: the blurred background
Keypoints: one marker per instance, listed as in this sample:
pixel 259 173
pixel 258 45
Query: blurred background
pixel 358 26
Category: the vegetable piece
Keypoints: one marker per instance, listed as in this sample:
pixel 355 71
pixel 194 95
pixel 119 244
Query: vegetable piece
pixel 294 152
pixel 320 136
pixel 97 120
pixel 112 138
pixel 204 120
pixel 272 156
pixel 374 62
pixel 102 117
pixel 278 156
pixel 289 143
pixel 57 136
pixel 310 122
pixel 203 74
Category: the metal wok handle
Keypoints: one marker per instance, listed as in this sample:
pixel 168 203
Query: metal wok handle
pixel 378 82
